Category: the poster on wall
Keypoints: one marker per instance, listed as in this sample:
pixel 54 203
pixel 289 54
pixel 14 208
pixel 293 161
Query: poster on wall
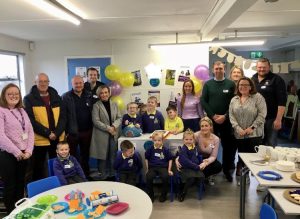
pixel 137 98
pixel 170 77
pixel 155 93
pixel 137 78
pixel 81 71
pixel 184 73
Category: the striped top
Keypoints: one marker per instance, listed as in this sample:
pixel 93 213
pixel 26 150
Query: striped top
pixel 250 113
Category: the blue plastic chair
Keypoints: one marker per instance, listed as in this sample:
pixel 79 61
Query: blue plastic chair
pixel 267 212
pixel 42 185
pixel 50 167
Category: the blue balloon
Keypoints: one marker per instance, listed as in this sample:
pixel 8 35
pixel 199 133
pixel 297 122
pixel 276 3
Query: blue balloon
pixel 154 82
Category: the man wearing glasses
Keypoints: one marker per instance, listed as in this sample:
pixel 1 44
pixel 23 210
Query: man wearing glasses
pixel 44 108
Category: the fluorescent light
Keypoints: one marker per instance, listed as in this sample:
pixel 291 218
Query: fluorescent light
pixel 54 10
pixel 207 43
pixel 70 6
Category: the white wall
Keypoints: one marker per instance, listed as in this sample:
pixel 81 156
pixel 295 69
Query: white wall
pixel 129 55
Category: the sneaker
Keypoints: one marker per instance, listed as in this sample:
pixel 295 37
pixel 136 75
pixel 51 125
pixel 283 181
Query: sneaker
pixel 260 188
pixel 211 180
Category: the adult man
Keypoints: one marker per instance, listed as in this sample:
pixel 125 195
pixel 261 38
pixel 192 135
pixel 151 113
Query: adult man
pixel 273 89
pixel 92 84
pixel 215 100
pixel 79 126
pixel 44 108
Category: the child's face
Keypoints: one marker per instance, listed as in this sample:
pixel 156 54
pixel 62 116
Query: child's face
pixel 205 127
pixel 63 150
pixel 151 105
pixel 188 139
pixel 143 109
pixel 132 109
pixel 128 152
pixel 158 141
pixel 172 114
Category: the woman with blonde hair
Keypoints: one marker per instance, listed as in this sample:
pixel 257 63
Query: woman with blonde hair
pixel 236 73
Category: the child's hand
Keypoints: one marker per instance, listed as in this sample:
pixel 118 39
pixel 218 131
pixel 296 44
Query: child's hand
pixel 202 165
pixel 126 122
pixel 137 126
pixel 170 173
pixel 178 165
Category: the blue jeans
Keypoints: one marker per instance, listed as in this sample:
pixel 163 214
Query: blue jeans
pixel 270 137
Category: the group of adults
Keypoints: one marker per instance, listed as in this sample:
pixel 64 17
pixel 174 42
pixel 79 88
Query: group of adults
pixel 253 109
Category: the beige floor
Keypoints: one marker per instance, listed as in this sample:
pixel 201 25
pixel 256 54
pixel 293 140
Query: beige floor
pixel 220 201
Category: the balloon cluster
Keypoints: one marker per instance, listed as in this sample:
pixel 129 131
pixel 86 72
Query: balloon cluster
pixel 118 81
pixel 201 75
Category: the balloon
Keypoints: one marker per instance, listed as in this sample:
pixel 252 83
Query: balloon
pixel 126 79
pixel 112 72
pixel 202 72
pixel 115 88
pixel 118 100
pixel 154 82
pixel 197 85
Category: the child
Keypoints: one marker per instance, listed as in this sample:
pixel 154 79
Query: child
pixel 173 123
pixel 158 163
pixel 153 119
pixel 66 167
pixel 131 122
pixel 191 170
pixel 142 109
pixel 128 163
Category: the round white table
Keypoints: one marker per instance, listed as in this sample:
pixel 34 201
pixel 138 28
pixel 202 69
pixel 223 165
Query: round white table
pixel 140 205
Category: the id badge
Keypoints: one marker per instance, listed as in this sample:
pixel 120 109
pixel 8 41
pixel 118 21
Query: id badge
pixel 225 91
pixel 263 87
pixel 24 136
pixel 67 166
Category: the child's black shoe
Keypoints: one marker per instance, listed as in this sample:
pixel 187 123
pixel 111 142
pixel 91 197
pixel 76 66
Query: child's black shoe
pixel 162 198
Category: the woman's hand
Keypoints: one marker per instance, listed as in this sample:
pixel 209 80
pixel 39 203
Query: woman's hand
pixel 20 157
pixel 202 165
pixel 249 131
pixel 170 173
pixel 178 165
pixel 26 155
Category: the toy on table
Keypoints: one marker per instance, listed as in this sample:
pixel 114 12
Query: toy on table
pixel 75 202
pixel 98 198
pixel 98 212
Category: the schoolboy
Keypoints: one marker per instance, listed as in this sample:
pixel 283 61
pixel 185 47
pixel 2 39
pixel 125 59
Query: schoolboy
pixel 128 163
pixel 158 161
pixel 66 167
pixel 153 119
pixel 173 123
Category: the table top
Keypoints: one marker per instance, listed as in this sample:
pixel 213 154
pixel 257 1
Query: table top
pixel 145 137
pixel 288 207
pixel 140 205
pixel 285 182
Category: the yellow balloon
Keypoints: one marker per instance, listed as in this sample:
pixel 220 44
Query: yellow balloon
pixel 118 100
pixel 112 72
pixel 197 85
pixel 126 79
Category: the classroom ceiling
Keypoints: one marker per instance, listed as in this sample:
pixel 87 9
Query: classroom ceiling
pixel 278 22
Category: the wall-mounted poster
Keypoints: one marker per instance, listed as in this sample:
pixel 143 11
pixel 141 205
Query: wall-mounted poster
pixel 155 93
pixel 184 73
pixel 136 97
pixel 137 78
pixel 81 71
pixel 170 77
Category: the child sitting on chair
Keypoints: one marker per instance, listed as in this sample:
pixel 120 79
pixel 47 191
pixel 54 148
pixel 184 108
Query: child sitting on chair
pixel 191 171
pixel 158 163
pixel 128 163
pixel 66 167
pixel 173 123
pixel 131 122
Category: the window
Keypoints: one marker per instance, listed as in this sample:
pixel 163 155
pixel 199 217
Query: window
pixel 11 70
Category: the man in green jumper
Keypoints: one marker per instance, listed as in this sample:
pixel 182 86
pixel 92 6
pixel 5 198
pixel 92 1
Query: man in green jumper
pixel 215 100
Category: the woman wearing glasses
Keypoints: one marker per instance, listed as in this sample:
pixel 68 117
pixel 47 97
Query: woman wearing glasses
pixel 16 144
pixel 247 112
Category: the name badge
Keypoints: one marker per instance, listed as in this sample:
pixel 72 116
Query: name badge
pixel 24 136
pixel 211 146
pixel 263 87
pixel 157 154
pixel 151 117
pixel 67 166
pixel 95 96
pixel 225 91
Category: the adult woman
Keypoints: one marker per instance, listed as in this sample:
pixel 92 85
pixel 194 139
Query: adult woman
pixel 236 73
pixel 208 145
pixel 106 119
pixel 247 112
pixel 188 106
pixel 16 144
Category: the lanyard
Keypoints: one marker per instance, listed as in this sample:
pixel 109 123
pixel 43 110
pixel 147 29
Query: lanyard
pixel 22 122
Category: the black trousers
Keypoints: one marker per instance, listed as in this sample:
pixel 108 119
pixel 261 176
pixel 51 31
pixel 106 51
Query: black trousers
pixel 13 173
pixel 83 139
pixel 224 132
pixel 128 177
pixel 212 169
pixel 162 172
pixel 75 179
pixel 39 157
pixel 247 145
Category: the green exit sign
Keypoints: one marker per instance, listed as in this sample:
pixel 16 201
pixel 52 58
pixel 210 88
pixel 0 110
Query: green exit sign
pixel 256 55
